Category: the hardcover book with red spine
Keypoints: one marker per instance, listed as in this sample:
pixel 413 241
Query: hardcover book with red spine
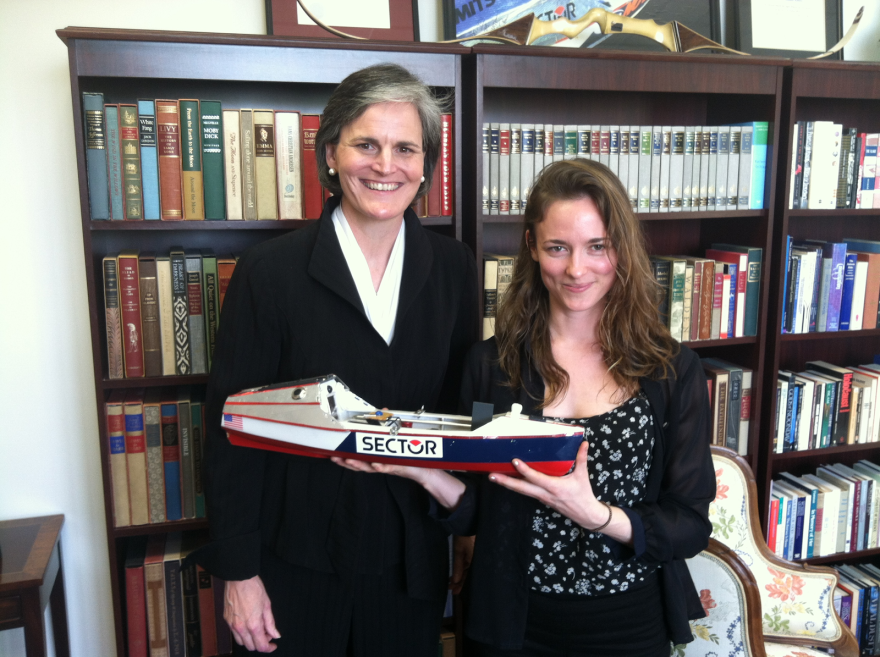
pixel 168 138
pixel 225 267
pixel 434 192
pixel 446 191
pixel 136 597
pixel 154 583
pixel 207 614
pixel 312 192
pixel 130 304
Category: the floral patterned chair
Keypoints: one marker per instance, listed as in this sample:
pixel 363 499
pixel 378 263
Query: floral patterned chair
pixel 796 599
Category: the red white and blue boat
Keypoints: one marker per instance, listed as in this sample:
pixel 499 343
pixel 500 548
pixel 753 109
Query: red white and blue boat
pixel 321 417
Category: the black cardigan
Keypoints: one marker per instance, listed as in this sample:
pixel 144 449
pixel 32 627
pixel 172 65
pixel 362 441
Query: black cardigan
pixel 670 525
pixel 292 311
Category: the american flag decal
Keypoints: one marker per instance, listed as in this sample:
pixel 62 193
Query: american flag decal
pixel 232 421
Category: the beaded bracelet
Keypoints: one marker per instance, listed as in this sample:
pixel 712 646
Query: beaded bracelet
pixel 604 524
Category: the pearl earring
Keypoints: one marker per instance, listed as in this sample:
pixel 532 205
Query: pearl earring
pixel 423 179
pixel 331 171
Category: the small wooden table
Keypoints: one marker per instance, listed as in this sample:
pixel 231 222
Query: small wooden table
pixel 31 577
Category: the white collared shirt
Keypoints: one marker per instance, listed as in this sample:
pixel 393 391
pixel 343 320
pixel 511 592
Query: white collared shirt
pixel 380 306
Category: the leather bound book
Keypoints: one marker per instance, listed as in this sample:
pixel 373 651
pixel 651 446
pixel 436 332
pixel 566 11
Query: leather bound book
pixel 114 161
pixel 132 186
pixel 180 308
pixel 232 164
pixel 191 611
pixel 195 307
pixel 446 164
pixel 312 196
pixel 211 298
pixel 288 162
pixel 434 193
pixel 149 157
pixel 225 267
pixel 212 159
pixel 192 184
pixel 136 597
pixel 207 613
pixel 168 143
pixel 155 464
pixel 130 303
pixel 96 156
pixel 707 300
pixel 187 473
pixel 264 164
pixel 171 453
pixel 113 320
pixel 166 313
pixel 136 456
pixel 174 596
pixel 197 412
pixel 249 184
pixel 113 410
pixel 154 583
pixel 150 315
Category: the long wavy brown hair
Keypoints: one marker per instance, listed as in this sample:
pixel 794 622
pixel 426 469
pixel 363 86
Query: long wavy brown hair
pixel 633 339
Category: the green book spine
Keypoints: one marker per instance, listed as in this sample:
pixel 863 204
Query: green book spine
pixel 114 161
pixel 210 301
pixel 198 449
pixel 191 160
pixel 212 159
pixel 132 187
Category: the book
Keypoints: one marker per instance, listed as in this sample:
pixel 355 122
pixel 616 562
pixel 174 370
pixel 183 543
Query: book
pixel 872 288
pixel 288 158
pixel 96 156
pixel 633 182
pixel 225 267
pixel 836 504
pixel 842 401
pixel 656 163
pixel 869 171
pixel 187 458
pixel 734 401
pixel 705 143
pixel 718 378
pixel 644 177
pixel 495 165
pixel 805 438
pixel 712 167
pixel 662 269
pixel 114 412
pixel 174 596
pixel 113 319
pixel 264 164
pixel 166 313
pixel 485 170
pixel 211 119
pixel 824 165
pixel 149 158
pixel 797 142
pixel 171 454
pixel 154 583
pixel 688 301
pixel 721 164
pixel 197 408
pixel 490 296
pixel 596 143
pixel 675 303
pixel 620 151
pixel 129 144
pixel 168 144
pixel 740 287
pixel 180 309
pixel 604 145
pixel 192 626
pixel 195 312
pixel 248 166
pixel 813 510
pixel 130 306
pixel 136 597
pixel 733 166
pixel 676 169
pixel 149 291
pixel 850 499
pixel 207 612
pixel 665 167
pixel 155 462
pixel 210 301
pixel 691 173
pixel 114 161
pixel 136 456
pixel 754 257
pixel 744 192
pixel 847 142
pixel 516 165
pixel 745 411
pixel 527 165
pixel 504 163
pixel 798 528
pixel 860 281
pixel 232 164
pixel 313 202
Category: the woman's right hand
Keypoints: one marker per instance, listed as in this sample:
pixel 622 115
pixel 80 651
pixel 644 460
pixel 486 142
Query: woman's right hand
pixel 248 612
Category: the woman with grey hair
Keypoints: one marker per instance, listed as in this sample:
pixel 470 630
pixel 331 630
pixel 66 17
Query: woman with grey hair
pixel 321 559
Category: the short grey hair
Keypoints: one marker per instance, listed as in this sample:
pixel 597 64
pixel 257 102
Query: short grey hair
pixel 382 83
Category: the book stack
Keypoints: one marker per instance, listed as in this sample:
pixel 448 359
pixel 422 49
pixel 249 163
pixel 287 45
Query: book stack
pixel 156 441
pixel 855 600
pixel 162 311
pixel 710 298
pixel 836 510
pixel 190 159
pixel 825 406
pixel 174 608
pixel 833 167
pixel 831 286
pixel 663 168
pixel 497 276
pixel 730 400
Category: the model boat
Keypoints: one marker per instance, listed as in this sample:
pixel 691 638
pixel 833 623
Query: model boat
pixel 321 417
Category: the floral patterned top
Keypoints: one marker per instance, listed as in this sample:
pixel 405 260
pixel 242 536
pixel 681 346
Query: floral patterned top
pixel 568 559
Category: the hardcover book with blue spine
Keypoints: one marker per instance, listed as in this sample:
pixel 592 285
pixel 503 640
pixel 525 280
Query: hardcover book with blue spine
pixel 96 156
pixel 149 157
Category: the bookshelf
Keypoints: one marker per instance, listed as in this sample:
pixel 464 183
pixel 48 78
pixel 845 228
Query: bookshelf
pixel 240 71
pixel 847 93
pixel 571 86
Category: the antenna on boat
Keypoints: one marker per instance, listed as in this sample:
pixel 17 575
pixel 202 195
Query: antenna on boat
pixel 481 414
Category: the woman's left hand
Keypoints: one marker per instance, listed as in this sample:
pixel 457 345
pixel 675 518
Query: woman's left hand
pixel 571 495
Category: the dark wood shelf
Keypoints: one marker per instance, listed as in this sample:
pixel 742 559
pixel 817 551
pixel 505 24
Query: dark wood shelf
pixel 860 555
pixel 287 224
pixel 831 335
pixel 161 528
pixel 156 381
pixel 842 212
pixel 645 216
pixel 812 454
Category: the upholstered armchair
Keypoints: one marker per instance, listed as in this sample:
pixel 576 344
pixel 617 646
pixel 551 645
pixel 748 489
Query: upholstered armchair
pixel 796 600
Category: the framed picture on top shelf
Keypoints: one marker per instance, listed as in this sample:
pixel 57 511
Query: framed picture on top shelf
pixel 463 18
pixel 790 28
pixel 383 20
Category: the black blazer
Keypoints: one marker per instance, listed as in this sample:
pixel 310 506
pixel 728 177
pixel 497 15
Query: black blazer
pixel 292 311
pixel 671 523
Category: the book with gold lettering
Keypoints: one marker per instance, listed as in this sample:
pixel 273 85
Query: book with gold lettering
pixel 136 456
pixel 212 159
pixel 312 195
pixel 114 161
pixel 113 319
pixel 168 143
pixel 96 156
pixel 149 157
pixel 288 158
pixel 191 160
pixel 113 410
pixel 166 313
pixel 150 314
pixel 232 164
pixel 249 179
pixel 264 164
pixel 132 185
pixel 130 305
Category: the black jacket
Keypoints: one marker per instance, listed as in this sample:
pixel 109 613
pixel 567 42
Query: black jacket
pixel 292 311
pixel 670 525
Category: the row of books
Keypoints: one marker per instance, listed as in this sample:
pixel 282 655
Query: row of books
pixel 711 298
pixel 833 167
pixel 836 510
pixel 730 401
pixel 831 286
pixel 497 275
pixel 827 405
pixel 156 445
pixel 192 159
pixel 663 168
pixel 855 600
pixel 173 609
pixel 162 311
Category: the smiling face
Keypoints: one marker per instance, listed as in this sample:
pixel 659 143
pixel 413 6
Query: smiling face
pixel 380 161
pixel 577 263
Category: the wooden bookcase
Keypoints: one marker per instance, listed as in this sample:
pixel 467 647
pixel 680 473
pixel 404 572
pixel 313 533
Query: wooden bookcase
pixel 240 71
pixel 571 86
pixel 846 93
